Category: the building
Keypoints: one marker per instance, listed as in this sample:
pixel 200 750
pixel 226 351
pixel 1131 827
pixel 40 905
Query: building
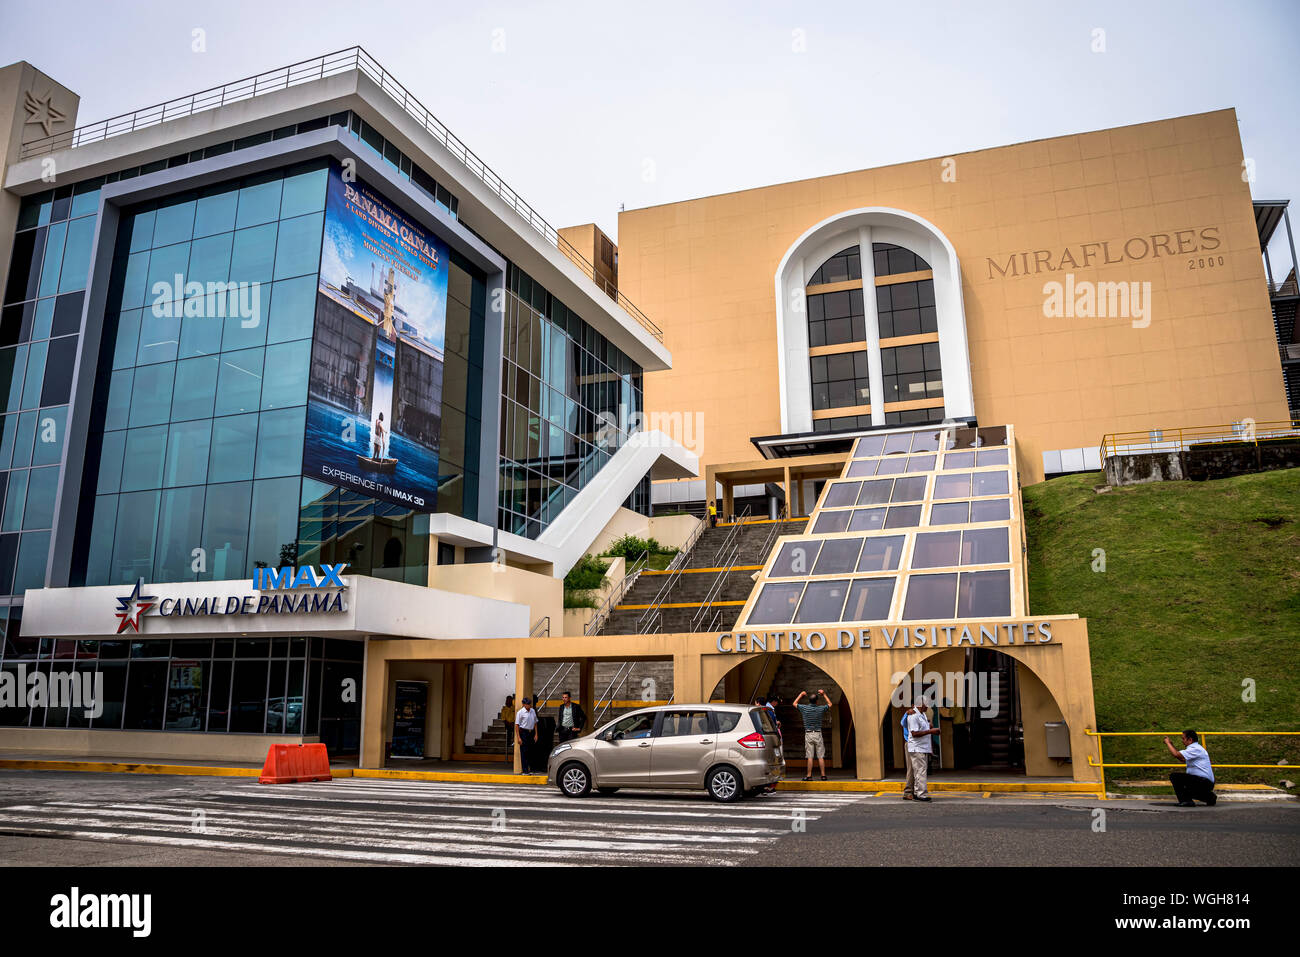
pixel 309 414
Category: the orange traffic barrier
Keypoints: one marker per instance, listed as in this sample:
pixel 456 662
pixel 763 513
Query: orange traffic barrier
pixel 291 763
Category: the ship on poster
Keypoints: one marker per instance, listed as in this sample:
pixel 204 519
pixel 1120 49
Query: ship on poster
pixel 374 405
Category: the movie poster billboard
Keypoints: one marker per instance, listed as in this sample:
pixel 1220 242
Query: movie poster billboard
pixel 374 402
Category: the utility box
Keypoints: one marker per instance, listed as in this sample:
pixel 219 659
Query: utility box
pixel 1058 739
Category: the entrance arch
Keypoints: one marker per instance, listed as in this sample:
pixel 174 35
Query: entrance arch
pixel 993 709
pixel 785 674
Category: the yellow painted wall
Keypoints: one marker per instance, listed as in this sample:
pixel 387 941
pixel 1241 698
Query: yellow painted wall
pixel 704 271
pixel 543 594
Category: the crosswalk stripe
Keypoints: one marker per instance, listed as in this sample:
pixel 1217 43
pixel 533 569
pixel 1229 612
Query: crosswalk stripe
pixel 434 823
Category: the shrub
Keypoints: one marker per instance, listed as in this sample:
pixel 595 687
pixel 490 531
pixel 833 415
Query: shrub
pixel 588 573
pixel 579 599
pixel 631 547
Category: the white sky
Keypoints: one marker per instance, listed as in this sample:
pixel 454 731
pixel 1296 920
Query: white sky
pixel 591 105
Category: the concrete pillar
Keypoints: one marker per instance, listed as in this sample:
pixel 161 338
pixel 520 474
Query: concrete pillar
pixel 789 502
pixel 523 689
pixel 448 716
pixel 374 707
pixel 728 502
pixel 866 696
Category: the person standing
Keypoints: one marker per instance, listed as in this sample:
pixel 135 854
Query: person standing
pixel 572 718
pixel 526 735
pixel 917 732
pixel 713 515
pixel 377 431
pixel 1197 782
pixel 813 743
pixel 508 716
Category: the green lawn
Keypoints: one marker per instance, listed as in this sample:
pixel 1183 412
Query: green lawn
pixel 1201 591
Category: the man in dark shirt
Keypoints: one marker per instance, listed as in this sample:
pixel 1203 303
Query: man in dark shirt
pixel 812 714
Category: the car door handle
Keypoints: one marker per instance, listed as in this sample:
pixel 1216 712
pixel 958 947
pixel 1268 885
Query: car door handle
pixel 644 744
pixel 706 740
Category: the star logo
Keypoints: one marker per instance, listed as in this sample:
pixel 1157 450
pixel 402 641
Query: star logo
pixel 132 607
pixel 42 111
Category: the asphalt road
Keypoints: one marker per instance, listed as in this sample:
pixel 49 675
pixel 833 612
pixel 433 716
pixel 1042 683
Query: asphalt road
pixel 56 818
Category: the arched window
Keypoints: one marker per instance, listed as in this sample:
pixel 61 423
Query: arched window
pixel 905 310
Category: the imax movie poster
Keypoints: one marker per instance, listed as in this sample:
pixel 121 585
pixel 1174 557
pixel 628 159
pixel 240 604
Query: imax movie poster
pixel 374 409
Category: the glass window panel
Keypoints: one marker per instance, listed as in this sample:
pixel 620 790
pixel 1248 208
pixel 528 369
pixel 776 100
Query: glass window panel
pixel 985 546
pixel 286 380
pixel 13 366
pixel 53 259
pixel 234 446
pixel 195 388
pixel 187 454
pixel 35 375
pixel 160 334
pixel 173 224
pixel 239 382
pixel 165 264
pixel 936 550
pixel 298 250
pixel 128 337
pixel 215 214
pixel 15 501
pixel 8 433
pixel 949 513
pixel 920 463
pixel 893 466
pixel 869 445
pixel 930 597
pixel 210 259
pixel 225 530
pixel 187 694
pixel 248 697
pixel 151 394
pixel 133 545
pixel 822 601
pixel 142 466
pixel 862 468
pixel 838 556
pixel 898 442
pixel 279 443
pixel 903 516
pixel 794 558
pixel 776 603
pixel 33 551
pixel 135 283
pixel 867 519
pixel 201 334
pixel 41 489
pixel 992 457
pixel 985 594
pixel 869 600
pixel 24 439
pixel 952 486
pixel 259 202
pixel 881 553
pixel 180 522
pixel 244 325
pixel 959 460
pixel 253 256
pixel 110 462
pixel 831 522
pixel 990 510
pixel 142 231
pixel 991 483
pixel 841 494
pixel 304 193
pixel 875 493
pixel 908 489
pixel 293 309
pixel 43 320
pixel 76 255
pixel 274 522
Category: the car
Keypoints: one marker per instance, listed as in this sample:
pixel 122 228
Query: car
pixel 730 750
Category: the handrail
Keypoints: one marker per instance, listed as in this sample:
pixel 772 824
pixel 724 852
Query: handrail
pixel 653 616
pixel 318 68
pixel 1101 759
pixel 616 595
pixel 552 683
pixel 715 589
pixel 608 697
pixel 1179 440
pixel 537 629
pixel 767 660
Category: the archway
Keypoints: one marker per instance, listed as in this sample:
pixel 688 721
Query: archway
pixel 782 677
pixel 993 712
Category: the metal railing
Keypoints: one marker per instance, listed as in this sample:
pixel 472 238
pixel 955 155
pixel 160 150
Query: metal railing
pixel 714 592
pixel 616 594
pixel 651 621
pixel 1101 764
pixel 542 629
pixel 1179 440
pixel 551 684
pixel 608 696
pixel 318 68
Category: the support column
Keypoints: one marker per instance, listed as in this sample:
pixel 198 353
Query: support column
pixel 586 691
pixel 789 502
pixel 374 707
pixel 728 501
pixel 867 718
pixel 460 707
pixel 523 689
pixel 448 717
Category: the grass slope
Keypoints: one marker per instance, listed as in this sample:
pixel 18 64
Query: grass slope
pixel 1201 591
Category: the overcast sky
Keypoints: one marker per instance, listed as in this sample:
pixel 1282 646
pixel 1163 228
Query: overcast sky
pixel 583 106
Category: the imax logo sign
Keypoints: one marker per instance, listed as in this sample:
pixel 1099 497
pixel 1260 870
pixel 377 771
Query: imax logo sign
pixel 286 576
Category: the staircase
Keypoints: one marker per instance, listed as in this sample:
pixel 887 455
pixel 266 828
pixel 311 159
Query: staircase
pixel 698 576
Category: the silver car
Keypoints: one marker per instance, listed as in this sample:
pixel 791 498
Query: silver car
pixel 730 750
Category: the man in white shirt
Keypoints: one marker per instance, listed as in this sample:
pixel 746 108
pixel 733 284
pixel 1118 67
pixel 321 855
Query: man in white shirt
pixel 1197 782
pixel 526 734
pixel 918 752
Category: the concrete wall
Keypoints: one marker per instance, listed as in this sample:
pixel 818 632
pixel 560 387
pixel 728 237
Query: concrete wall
pixel 432 673
pixel 671 531
pixel 543 594
pixel 183 747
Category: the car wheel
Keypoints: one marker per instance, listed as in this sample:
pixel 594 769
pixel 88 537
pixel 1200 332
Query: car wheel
pixel 574 780
pixel 607 790
pixel 725 784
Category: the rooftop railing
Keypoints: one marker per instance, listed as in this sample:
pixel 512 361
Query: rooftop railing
pixel 1179 440
pixel 318 68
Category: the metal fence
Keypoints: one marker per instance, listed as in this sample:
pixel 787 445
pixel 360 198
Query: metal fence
pixel 1179 440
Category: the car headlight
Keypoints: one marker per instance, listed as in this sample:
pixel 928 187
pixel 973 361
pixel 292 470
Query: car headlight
pixel 562 748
